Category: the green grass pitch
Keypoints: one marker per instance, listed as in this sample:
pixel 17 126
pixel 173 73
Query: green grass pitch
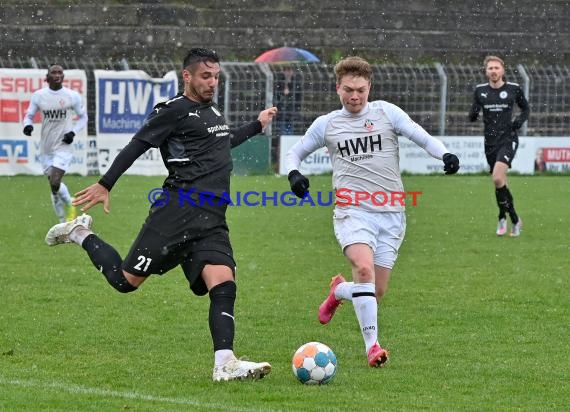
pixel 473 322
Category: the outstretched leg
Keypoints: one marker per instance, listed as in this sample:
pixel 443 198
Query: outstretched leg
pixel 103 256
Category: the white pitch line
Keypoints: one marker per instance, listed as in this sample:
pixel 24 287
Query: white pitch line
pixel 78 389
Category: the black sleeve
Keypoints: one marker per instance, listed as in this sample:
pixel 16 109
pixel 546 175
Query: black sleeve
pixel 123 161
pixel 240 134
pixel 159 124
pixel 524 106
pixel 475 108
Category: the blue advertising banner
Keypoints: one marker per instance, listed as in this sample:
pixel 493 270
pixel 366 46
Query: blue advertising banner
pixel 123 100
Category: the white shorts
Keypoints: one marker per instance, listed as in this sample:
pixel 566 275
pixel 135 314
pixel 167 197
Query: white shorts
pixel 60 159
pixel 383 232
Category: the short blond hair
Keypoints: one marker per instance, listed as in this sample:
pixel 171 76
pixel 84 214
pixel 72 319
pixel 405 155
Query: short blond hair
pixel 354 66
pixel 491 59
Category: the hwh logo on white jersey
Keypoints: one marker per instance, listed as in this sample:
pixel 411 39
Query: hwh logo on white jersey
pixel 55 114
pixel 359 145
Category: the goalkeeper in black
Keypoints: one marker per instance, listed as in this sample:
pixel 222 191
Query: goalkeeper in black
pixel 497 99
pixel 183 228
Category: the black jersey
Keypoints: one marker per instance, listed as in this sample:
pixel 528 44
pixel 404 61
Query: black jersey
pixel 497 105
pixel 195 143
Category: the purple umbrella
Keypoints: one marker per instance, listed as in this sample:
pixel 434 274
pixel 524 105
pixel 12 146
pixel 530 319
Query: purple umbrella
pixel 287 55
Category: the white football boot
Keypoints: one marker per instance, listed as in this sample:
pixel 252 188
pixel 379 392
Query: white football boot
pixel 502 227
pixel 59 233
pixel 516 229
pixel 236 369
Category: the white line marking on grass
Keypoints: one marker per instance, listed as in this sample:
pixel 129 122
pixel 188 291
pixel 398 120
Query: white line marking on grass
pixel 106 393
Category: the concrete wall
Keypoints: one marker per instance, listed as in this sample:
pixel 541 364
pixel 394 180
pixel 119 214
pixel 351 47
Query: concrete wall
pixel 401 31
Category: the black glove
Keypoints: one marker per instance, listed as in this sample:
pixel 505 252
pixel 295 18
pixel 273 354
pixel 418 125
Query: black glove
pixel 516 125
pixel 28 130
pixel 450 164
pixel 299 183
pixel 68 137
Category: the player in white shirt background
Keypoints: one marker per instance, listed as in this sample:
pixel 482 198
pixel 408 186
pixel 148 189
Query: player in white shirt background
pixel 57 104
pixel 362 140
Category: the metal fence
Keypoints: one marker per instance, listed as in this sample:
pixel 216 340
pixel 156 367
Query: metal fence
pixel 437 97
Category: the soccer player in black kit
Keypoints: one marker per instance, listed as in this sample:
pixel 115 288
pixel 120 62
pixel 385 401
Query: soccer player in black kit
pixel 188 226
pixel 497 98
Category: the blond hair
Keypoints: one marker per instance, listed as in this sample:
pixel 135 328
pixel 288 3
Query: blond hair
pixel 353 66
pixel 491 59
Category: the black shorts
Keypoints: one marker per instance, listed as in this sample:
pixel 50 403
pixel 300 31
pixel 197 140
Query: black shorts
pixel 504 153
pixel 200 237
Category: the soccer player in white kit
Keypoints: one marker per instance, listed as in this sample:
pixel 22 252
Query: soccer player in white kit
pixel 369 218
pixel 56 104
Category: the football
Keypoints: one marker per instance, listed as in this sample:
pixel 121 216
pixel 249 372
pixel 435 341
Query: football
pixel 314 363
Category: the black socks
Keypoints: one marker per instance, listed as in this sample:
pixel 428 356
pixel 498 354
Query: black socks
pixel 221 318
pixel 506 204
pixel 107 261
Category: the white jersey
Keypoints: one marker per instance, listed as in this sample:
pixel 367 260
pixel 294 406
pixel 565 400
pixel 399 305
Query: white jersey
pixel 364 153
pixel 56 107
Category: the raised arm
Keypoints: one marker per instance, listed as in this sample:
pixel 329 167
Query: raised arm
pixel 240 134
pixel 404 125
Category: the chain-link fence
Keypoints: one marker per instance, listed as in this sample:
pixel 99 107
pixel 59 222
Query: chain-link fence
pixel 549 90
pixel 437 97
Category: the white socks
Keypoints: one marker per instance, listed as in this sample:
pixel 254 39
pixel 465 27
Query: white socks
pixel 343 291
pixel 64 193
pixel 79 234
pixel 60 200
pixel 222 356
pixel 58 207
pixel 366 308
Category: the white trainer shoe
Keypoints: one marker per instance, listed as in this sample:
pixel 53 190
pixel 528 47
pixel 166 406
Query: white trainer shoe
pixel 59 233
pixel 502 227
pixel 516 229
pixel 237 369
